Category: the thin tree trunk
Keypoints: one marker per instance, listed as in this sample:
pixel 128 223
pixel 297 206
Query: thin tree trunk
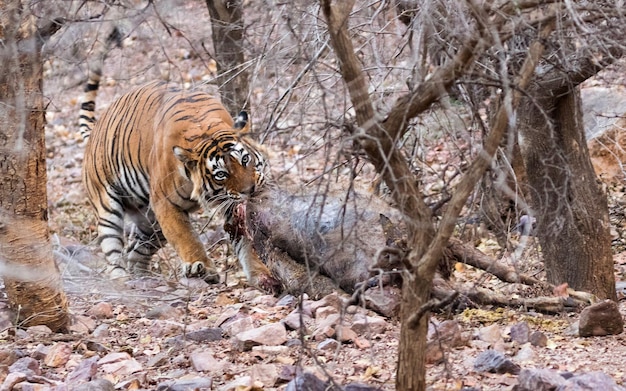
pixel 30 275
pixel 227 32
pixel 570 207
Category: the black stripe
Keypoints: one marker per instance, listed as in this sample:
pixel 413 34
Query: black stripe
pixel 109 253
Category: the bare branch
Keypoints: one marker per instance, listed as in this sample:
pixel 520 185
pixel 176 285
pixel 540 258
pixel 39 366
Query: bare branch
pixel 501 123
pixel 378 144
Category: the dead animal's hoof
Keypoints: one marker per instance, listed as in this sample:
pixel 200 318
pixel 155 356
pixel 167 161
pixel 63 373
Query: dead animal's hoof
pixel 269 284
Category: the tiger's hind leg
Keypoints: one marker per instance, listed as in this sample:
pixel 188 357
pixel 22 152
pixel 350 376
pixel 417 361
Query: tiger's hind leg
pixel 148 239
pixel 111 236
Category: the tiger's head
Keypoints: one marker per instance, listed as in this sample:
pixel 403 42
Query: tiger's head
pixel 225 166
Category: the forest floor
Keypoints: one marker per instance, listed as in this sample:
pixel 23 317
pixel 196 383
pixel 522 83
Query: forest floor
pixel 143 320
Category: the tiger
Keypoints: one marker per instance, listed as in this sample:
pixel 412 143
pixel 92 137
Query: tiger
pixel 157 154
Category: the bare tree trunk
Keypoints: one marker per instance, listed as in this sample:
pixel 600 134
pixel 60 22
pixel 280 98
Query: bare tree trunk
pixel 227 31
pixel 571 208
pixel 30 275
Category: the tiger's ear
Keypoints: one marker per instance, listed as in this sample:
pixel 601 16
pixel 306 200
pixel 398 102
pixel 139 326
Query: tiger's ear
pixel 241 122
pixel 187 156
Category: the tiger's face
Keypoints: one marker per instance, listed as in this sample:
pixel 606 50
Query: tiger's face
pixel 224 169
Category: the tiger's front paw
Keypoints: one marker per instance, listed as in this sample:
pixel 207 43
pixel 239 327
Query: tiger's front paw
pixel 199 270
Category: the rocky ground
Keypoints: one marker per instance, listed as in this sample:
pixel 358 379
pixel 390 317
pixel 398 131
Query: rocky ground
pixel 168 333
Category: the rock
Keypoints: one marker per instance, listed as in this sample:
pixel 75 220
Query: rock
pixel 385 301
pixel 538 380
pixel 293 342
pixel 295 320
pixel 359 387
pixel 525 354
pixel 266 374
pixel 123 368
pixel 113 357
pixel 158 360
pixel 445 335
pixel 238 326
pixel 369 324
pixel 21 334
pixel 8 356
pixel 520 332
pixel 330 321
pixel 198 383
pixel 101 310
pixel 39 331
pixel 95 385
pixel 250 294
pixel 130 384
pixel 82 324
pixel 11 380
pixel 119 364
pixel 204 361
pixel 328 344
pixel 306 307
pixel 228 313
pixel 164 328
pixel 599 319
pixel 307 382
pixel 332 300
pixel 287 301
pixel 265 300
pixel 272 334
pixel 495 362
pixel 164 311
pixel 101 331
pixel 271 350
pixel 602 108
pixel 58 355
pixel 322 333
pixel 26 365
pixel 324 312
pixel 449 333
pixel 591 381
pixel 326 327
pixel 362 343
pixel 44 385
pixel 491 334
pixel 240 383
pixel 85 371
pixel 207 334
pixel 287 373
pixel 539 339
pixel 345 334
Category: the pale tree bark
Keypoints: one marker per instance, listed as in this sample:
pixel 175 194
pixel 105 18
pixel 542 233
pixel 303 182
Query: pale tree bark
pixel 426 241
pixel 27 266
pixel 227 32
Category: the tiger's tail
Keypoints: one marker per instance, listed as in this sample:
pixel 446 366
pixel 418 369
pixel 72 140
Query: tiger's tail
pixel 88 102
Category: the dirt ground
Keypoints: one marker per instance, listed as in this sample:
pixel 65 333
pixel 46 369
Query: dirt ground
pixel 298 143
